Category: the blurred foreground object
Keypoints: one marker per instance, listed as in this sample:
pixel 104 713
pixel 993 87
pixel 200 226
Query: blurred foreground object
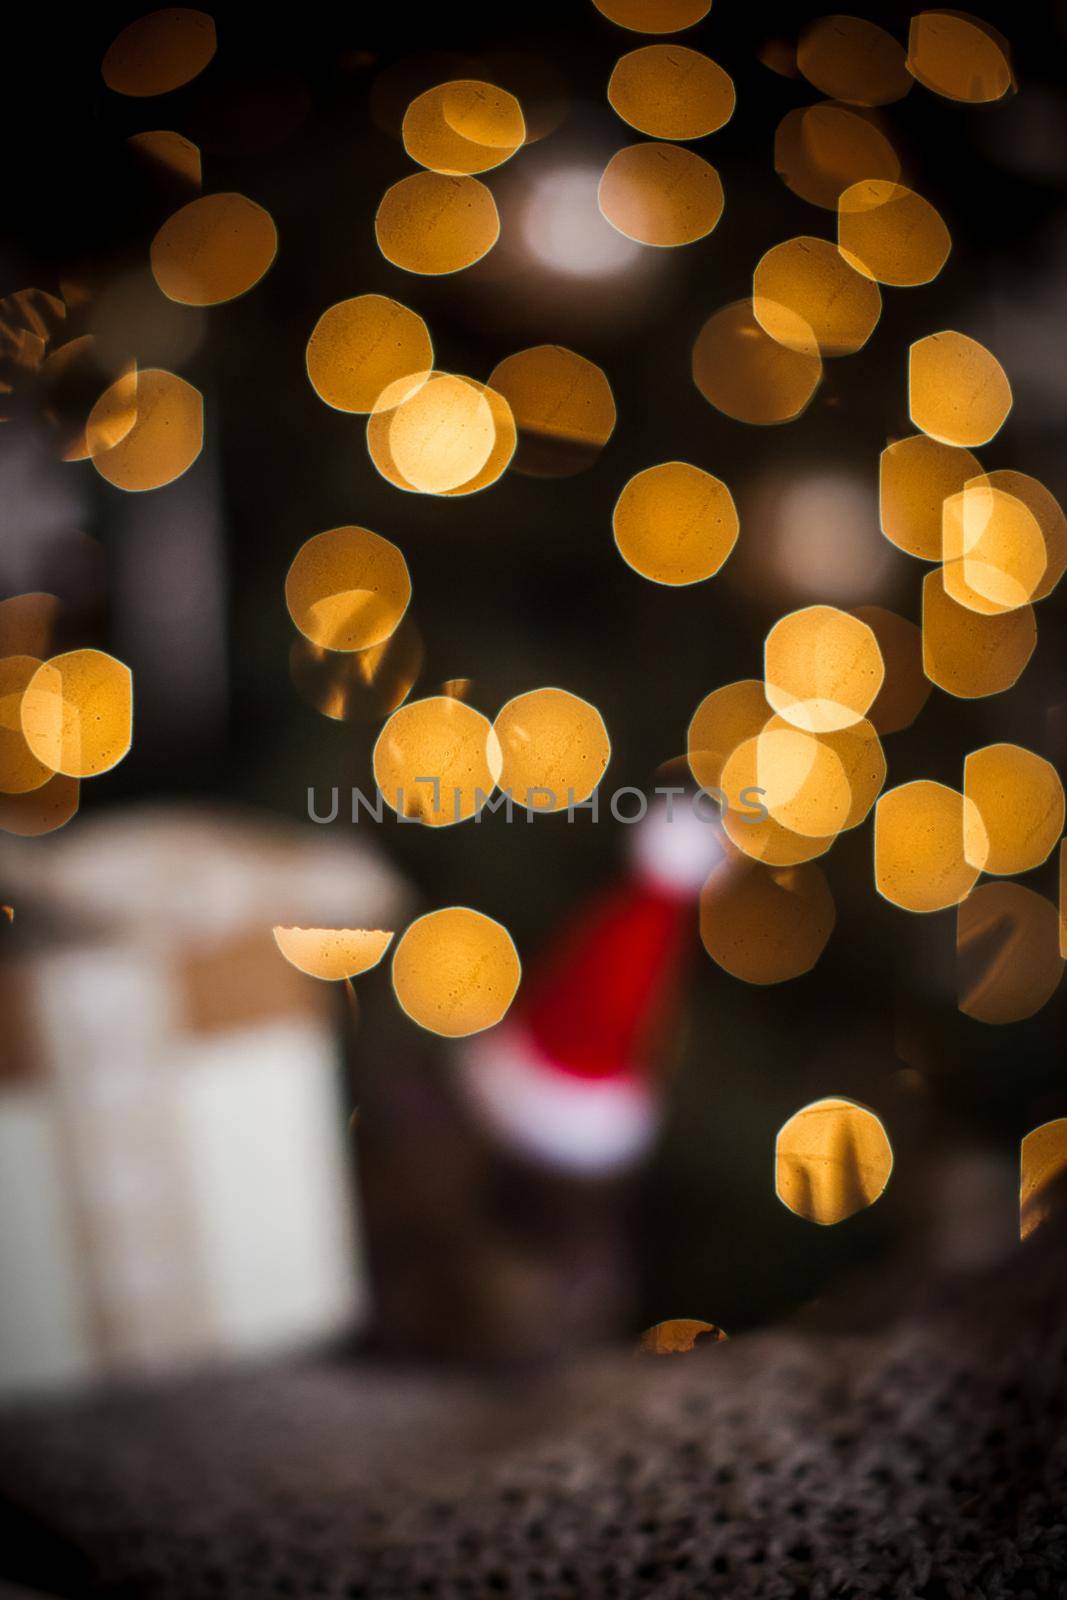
pixel 173 1177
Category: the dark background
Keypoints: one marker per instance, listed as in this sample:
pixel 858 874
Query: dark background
pixel 522 586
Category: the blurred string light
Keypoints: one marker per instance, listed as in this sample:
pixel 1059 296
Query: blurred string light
pixel 993 549
pixel 77 713
pixel 853 60
pixel 678 1336
pixel 959 56
pixel 437 761
pixel 554 748
pixel 463 127
pixel 767 924
pixel 812 533
pixel 804 290
pixel 20 769
pixel 456 971
pixel 905 688
pixel 1019 796
pixel 970 655
pixel 360 685
pixel 654 16
pixel 42 810
pixel 453 435
pixel 1042 1169
pixel 670 92
pixel 749 376
pixel 146 429
pixel 159 52
pixel 822 668
pixel 661 194
pixel 347 589
pixel 172 153
pixel 433 224
pixel 1008 955
pixel 958 392
pixel 564 229
pixel 929 846
pixel 675 524
pixel 359 347
pixel 213 249
pixel 832 1159
pixel 332 954
pixel 563 408
pixel 916 476
pixel 891 234
pixel 822 150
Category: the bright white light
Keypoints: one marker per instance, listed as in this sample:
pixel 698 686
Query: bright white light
pixel 562 226
pixel 825 539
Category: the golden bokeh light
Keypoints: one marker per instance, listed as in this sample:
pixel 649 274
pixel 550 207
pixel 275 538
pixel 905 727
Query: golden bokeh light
pixel 362 685
pixel 146 429
pixel 929 842
pixel 442 435
pixel 433 224
pixel 958 392
pixel 891 234
pixel 678 1336
pixel 916 477
pixel 767 924
pixel 747 822
pixel 969 655
pixel 332 953
pixel 347 589
pixel 805 288
pixel 505 442
pixel 905 688
pixel 660 194
pixel 832 1159
pixel 675 524
pixel 360 347
pixel 159 52
pixel 724 719
pixel 1042 1174
pixel 1008 955
pixel 743 372
pixel 28 624
pixel 822 668
pixel 1020 798
pixel 463 127
pixel 1046 511
pixel 554 748
pixel 803 781
pixel 77 713
pixel 654 16
pixel 456 972
pixel 859 750
pixel 959 56
pixel 822 150
pixel 20 770
pixel 993 548
pixel 171 152
pixel 437 760
pixel 670 92
pixel 213 249
pixel 42 810
pixel 851 59
pixel 562 405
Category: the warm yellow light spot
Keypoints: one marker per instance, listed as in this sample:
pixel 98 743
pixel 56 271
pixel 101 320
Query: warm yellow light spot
pixel 803 781
pixel 456 971
pixel 505 440
pixel 822 668
pixel 146 429
pixel 442 435
pixel 821 150
pixel 916 477
pixel 562 405
pixel 176 155
pixel 670 92
pixel 993 549
pixel 213 249
pixel 859 750
pixel 806 288
pixel 1042 1174
pixel 332 953
pixel 77 713
pixel 675 524
pixel 851 59
pixel 1008 957
pixel 958 391
pixel 360 347
pixel 660 194
pixel 958 56
pixel 555 749
pixel 362 685
pixel 159 52
pixel 969 655
pixel 767 924
pixel 832 1159
pixel 748 823
pixel 20 770
pixel 40 810
pixel 678 1336
pixel 1020 798
pixel 891 234
pixel 654 16
pixel 347 589
pixel 462 127
pixel 437 760
pixel 906 688
pixel 1047 512
pixel 724 719
pixel 28 624
pixel 748 375
pixel 433 224
pixel 926 841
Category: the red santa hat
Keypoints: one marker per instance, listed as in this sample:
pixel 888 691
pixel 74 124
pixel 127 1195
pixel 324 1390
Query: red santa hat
pixel 571 1077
